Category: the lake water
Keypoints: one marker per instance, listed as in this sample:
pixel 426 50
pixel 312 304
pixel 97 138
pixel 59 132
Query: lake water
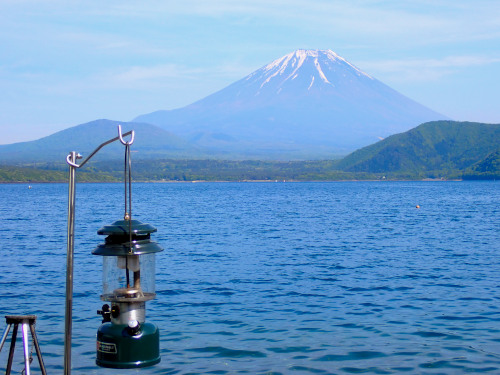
pixel 273 278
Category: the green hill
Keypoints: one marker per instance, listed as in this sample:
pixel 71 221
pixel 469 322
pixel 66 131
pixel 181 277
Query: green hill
pixel 429 150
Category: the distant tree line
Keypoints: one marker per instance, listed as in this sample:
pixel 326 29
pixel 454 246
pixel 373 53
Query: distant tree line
pixel 223 170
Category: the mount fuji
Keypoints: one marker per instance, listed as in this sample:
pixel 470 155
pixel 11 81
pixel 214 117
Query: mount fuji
pixel 307 104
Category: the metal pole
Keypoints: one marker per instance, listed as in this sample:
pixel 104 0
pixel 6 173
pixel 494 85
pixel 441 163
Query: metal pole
pixel 24 328
pixel 69 266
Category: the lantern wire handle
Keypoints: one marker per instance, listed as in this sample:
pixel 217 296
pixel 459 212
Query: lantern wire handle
pixel 128 188
pixel 127 172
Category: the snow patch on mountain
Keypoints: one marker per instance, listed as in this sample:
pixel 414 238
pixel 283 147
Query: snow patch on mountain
pixel 321 74
pixel 312 81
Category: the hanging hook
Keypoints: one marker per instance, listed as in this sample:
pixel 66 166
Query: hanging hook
pixel 73 156
pixel 121 137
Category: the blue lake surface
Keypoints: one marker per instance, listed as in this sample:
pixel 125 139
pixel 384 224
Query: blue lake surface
pixel 273 278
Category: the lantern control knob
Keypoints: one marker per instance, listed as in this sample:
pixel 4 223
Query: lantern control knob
pixel 133 327
pixel 105 312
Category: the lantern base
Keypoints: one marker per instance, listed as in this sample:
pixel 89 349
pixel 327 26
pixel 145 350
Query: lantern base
pixel 118 347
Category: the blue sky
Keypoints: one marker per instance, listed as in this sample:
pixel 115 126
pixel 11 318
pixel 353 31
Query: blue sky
pixel 63 63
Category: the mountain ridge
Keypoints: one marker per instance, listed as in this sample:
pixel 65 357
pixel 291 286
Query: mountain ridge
pixel 440 149
pixel 150 141
pixel 306 105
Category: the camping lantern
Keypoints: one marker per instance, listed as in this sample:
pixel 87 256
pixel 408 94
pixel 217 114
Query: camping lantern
pixel 125 339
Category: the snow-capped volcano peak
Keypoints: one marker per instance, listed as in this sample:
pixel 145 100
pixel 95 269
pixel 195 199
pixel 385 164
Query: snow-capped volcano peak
pixel 305 101
pixel 311 67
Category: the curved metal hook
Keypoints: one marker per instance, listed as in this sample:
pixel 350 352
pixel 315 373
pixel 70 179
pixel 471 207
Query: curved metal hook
pixel 70 162
pixel 121 137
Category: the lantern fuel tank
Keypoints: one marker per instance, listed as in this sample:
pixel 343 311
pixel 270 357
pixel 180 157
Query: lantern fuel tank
pixel 125 339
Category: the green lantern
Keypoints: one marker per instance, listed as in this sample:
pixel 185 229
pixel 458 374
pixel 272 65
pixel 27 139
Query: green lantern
pixel 125 339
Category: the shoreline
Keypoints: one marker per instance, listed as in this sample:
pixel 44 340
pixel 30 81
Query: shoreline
pixel 242 181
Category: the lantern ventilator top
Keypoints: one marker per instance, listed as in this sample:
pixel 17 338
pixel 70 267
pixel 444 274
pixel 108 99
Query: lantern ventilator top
pixel 117 242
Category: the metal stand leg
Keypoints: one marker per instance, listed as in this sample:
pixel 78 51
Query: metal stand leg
pixel 37 348
pixel 26 348
pixel 4 337
pixel 25 321
pixel 11 352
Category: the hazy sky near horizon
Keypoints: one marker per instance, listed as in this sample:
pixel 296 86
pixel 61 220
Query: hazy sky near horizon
pixel 63 63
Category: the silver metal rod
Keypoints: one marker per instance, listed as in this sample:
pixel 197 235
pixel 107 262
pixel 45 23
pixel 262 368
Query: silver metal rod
pixel 68 327
pixel 4 337
pixel 26 348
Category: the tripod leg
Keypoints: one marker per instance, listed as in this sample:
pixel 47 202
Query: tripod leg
pixel 38 351
pixel 26 348
pixel 4 337
pixel 12 347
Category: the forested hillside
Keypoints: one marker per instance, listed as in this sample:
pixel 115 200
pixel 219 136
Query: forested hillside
pixel 440 147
